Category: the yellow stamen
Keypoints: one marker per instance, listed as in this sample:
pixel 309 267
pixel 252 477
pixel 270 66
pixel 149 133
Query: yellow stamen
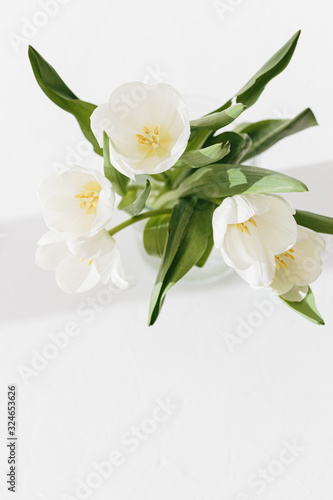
pixel 253 221
pixel 149 139
pixel 89 262
pixel 279 258
pixel 142 138
pixel 287 254
pixel 278 261
pixel 243 227
pixel 89 199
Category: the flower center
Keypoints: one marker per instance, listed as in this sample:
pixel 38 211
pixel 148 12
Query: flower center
pixel 242 227
pixel 149 139
pixel 89 198
pixel 279 259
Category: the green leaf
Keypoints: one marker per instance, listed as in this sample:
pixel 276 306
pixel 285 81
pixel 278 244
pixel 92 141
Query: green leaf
pixel 179 219
pixel 56 90
pixel 307 308
pixel 117 179
pixel 155 235
pixel 197 139
pixel 239 128
pixel 130 197
pixel 210 244
pixel 203 157
pixel 221 180
pixel 138 204
pixel 215 121
pixel 239 145
pixel 319 223
pixel 189 230
pixel 266 133
pixel 251 92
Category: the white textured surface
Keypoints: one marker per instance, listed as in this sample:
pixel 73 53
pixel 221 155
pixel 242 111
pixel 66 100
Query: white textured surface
pixel 233 413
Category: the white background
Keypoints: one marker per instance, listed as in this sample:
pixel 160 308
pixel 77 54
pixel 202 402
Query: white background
pixel 237 411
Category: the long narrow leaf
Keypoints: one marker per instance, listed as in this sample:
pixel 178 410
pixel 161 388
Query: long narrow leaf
pixel 56 90
pixel 220 180
pixel 252 90
pixel 189 231
pixel 266 133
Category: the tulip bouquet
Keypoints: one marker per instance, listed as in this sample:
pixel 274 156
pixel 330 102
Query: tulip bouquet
pixel 191 181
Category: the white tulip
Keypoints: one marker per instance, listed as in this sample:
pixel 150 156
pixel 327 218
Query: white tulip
pixel 78 201
pixel 250 231
pixel 81 263
pixel 299 266
pixel 148 127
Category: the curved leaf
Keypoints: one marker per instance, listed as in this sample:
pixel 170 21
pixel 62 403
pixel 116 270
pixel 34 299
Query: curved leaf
pixel 203 157
pixel 128 198
pixel 250 93
pixel 56 90
pixel 252 90
pixel 266 133
pixel 215 121
pixel 138 204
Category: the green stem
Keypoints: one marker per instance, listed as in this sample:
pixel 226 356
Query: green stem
pixel 138 218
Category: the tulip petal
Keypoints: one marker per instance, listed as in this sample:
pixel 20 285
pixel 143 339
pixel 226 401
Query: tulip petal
pixel 51 250
pixel 246 254
pixel 74 276
pixel 278 228
pixel 302 268
pixel 101 120
pixel 102 249
pixel 235 210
